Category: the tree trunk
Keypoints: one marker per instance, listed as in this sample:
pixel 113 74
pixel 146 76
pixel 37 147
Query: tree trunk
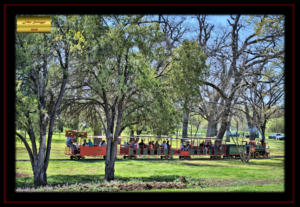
pixel 185 124
pixel 228 131
pixel 228 128
pixel 212 128
pixel 39 167
pixel 39 175
pixel 263 130
pixel 252 132
pixel 97 132
pixel 60 126
pixel 110 159
pixel 110 170
pixel 224 122
pixel 75 123
pixel 197 129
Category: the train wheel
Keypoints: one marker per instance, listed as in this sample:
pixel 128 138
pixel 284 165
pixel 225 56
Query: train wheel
pixel 71 157
pixel 82 158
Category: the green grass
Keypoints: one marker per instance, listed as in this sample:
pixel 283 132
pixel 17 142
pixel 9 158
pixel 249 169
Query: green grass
pixel 259 175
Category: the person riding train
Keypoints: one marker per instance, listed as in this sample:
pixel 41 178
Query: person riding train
pixel 156 146
pixel 90 143
pixel 74 147
pixel 151 147
pixel 141 146
pixel 69 141
pixel 182 147
pixel 85 143
pixel 103 144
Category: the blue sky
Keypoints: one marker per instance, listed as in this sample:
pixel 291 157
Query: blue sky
pixel 219 22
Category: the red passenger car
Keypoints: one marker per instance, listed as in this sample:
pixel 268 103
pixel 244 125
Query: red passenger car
pixel 79 145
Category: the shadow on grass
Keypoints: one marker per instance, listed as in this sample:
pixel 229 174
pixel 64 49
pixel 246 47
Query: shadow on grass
pixel 90 160
pixel 200 165
pixel 270 164
pixel 54 180
pixel 59 180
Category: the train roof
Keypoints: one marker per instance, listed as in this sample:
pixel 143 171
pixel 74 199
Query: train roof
pixel 162 137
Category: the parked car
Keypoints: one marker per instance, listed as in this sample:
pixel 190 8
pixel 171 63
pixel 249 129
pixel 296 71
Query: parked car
pixel 281 137
pixel 276 136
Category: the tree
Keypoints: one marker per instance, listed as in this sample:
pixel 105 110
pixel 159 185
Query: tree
pixel 211 104
pixel 160 115
pixel 264 91
pixel 239 56
pixel 42 65
pixel 119 73
pixel 264 95
pixel 188 70
pixel 244 153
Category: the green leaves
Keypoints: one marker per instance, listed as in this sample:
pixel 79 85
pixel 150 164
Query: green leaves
pixel 188 68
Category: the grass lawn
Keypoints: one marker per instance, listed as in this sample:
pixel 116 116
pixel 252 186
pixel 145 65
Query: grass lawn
pixel 259 175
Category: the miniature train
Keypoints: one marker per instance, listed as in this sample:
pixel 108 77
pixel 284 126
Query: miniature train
pixel 165 148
